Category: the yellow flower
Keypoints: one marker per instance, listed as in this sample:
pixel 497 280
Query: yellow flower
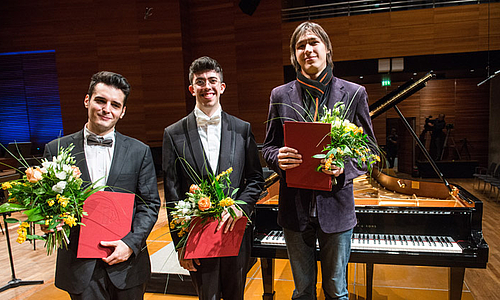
pixel 70 221
pixel 62 200
pixel 50 202
pixel 328 163
pixel 363 159
pixel 226 202
pixel 22 232
pixel 227 172
pixel 6 185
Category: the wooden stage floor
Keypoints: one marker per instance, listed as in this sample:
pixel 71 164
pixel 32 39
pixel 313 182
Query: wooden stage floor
pixel 390 282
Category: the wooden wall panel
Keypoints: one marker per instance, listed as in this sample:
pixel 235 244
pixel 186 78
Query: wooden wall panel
pixel 259 67
pixel 249 50
pixel 465 105
pixel 91 35
pixel 162 68
pixel 466 28
pixel 153 53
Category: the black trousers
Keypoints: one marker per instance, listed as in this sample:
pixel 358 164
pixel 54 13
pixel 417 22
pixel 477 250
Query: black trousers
pixel 101 287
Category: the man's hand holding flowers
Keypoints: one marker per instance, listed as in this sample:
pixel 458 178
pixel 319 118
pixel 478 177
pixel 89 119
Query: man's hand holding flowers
pixel 227 219
pixel 329 169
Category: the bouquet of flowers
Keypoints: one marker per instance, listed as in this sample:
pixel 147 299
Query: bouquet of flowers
pixel 205 200
pixel 347 141
pixel 50 195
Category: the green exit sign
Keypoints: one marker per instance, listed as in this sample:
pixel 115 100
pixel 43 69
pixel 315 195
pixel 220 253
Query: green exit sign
pixel 386 82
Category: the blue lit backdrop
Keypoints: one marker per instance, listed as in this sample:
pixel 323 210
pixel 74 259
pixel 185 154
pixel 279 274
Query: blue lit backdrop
pixel 30 109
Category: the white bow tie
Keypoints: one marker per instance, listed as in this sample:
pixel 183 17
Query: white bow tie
pixel 203 121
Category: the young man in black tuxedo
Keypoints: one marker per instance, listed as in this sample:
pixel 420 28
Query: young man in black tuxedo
pixel 106 157
pixel 210 140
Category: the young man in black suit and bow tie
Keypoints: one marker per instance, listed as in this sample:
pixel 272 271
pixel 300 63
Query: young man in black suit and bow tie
pixel 210 140
pixel 106 157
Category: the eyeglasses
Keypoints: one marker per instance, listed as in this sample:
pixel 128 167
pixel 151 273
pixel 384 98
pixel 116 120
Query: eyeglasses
pixel 203 82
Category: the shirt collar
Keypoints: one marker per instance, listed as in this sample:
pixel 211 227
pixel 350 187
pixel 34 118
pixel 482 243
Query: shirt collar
pixel 200 114
pixel 87 132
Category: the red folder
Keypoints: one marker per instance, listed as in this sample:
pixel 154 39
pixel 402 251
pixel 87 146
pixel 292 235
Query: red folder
pixel 204 241
pixel 109 218
pixel 309 139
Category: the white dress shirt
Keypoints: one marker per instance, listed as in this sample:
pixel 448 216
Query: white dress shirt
pixel 210 135
pixel 98 158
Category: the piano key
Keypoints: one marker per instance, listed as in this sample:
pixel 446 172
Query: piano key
pixel 386 242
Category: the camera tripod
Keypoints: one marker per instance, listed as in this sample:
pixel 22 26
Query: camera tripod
pixel 449 141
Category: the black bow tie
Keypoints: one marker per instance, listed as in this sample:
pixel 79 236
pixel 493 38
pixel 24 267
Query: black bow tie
pixel 93 140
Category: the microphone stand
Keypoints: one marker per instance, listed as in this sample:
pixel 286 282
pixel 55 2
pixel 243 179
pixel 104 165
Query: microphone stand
pixel 14 282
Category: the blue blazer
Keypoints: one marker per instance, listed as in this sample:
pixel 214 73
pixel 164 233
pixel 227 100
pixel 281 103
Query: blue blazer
pixel 335 208
pixel 132 169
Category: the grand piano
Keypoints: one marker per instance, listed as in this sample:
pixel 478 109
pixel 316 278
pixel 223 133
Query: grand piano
pixel 400 221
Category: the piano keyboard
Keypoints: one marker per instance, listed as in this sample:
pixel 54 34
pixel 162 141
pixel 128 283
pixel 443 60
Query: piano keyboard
pixel 385 242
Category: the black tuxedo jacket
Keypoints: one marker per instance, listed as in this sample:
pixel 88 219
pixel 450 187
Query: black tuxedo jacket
pixel 132 169
pixel 335 209
pixel 238 150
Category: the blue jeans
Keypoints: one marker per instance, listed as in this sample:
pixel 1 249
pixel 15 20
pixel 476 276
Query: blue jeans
pixel 334 256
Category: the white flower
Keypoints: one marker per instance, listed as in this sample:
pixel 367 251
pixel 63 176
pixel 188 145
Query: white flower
pixel 185 211
pixel 59 187
pixel 61 175
pixel 67 169
pixel 337 123
pixel 47 164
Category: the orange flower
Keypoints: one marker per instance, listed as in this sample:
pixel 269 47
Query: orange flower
pixel 76 172
pixel 33 175
pixel 193 188
pixel 204 203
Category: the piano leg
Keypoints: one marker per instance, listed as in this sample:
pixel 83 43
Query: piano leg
pixel 369 281
pixel 456 281
pixel 267 266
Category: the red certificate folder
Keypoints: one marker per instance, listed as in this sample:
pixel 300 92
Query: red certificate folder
pixel 204 241
pixel 109 218
pixel 309 139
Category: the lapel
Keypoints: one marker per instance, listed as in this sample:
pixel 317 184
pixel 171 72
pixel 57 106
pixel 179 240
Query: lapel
pixel 79 154
pixel 227 143
pixel 195 147
pixel 338 93
pixel 119 158
pixel 296 110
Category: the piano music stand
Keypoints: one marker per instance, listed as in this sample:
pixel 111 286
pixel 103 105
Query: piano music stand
pixel 14 282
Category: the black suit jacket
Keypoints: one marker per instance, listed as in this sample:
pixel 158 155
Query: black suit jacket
pixel 132 169
pixel 335 208
pixel 238 150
